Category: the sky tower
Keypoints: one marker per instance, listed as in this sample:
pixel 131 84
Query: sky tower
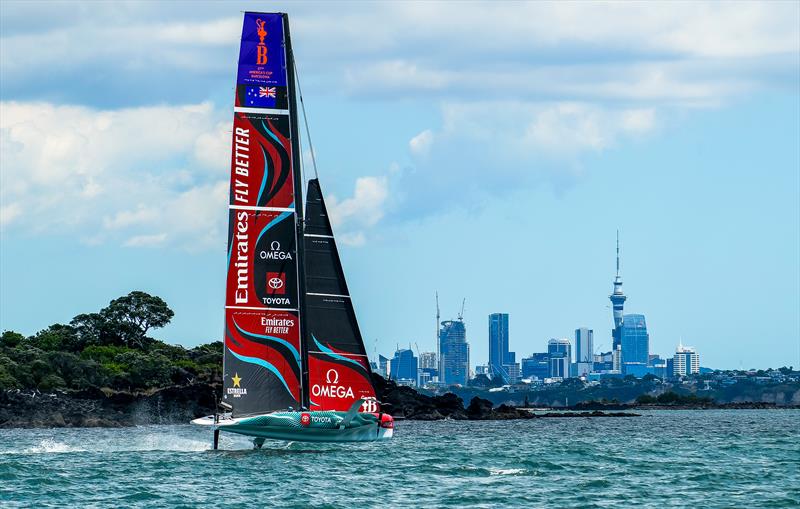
pixel 617 300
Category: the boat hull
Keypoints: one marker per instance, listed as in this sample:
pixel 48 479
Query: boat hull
pixel 307 426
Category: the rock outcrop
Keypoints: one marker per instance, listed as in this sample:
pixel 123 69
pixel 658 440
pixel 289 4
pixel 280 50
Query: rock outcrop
pixel 99 408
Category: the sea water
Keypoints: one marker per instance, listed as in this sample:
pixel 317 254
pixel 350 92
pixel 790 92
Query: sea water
pixel 712 458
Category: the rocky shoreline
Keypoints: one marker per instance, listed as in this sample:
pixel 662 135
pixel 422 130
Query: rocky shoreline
pixel 98 408
pixel 180 404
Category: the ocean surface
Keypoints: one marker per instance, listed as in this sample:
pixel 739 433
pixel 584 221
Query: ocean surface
pixel 714 458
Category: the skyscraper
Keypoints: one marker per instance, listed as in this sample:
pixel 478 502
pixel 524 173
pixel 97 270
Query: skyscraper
pixel 454 352
pixel 428 367
pixel 617 301
pixel 404 366
pixel 686 361
pixel 635 341
pixel 427 360
pixel 501 361
pixel 584 351
pixel 560 353
pixel 537 365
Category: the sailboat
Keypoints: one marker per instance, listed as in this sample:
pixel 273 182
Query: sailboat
pixel 294 366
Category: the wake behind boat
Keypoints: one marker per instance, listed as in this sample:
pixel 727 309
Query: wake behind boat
pixel 294 366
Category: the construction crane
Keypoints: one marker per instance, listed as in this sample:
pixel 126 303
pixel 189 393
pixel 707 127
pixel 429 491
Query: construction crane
pixel 438 351
pixel 461 314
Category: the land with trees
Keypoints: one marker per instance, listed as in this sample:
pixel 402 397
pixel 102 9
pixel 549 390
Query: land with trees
pixel 103 369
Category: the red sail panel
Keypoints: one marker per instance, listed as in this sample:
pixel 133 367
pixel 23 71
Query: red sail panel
pixel 262 361
pixel 336 382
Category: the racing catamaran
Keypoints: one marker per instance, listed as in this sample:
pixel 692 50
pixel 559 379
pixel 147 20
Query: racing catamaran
pixel 294 366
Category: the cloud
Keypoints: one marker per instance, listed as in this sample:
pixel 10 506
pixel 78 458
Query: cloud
pixel 493 148
pixel 146 240
pixel 697 53
pixel 353 216
pixel 525 90
pixel 137 176
pixel 421 143
pixel 9 212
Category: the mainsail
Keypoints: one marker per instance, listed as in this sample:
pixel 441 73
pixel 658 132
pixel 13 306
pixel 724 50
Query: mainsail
pixel 263 362
pixel 291 335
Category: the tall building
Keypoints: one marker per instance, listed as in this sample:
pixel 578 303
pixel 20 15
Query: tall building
pixel 513 372
pixel 427 360
pixel 404 366
pixel 537 365
pixel 584 351
pixel 617 301
pixel 560 345
pixel 616 359
pixel 501 360
pixel 635 341
pixel 428 367
pixel 559 365
pixel 454 353
pixel 686 361
pixel 560 354
pixel 604 362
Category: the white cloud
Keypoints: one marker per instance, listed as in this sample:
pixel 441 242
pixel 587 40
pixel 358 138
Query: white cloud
pixel 697 53
pixel 146 240
pixel 421 143
pixel 9 212
pixel 639 120
pixel 519 85
pixel 137 176
pixel 351 217
pixel 127 218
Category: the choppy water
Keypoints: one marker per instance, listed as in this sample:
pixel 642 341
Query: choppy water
pixel 746 458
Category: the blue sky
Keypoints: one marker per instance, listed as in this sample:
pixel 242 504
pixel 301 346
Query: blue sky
pixel 484 150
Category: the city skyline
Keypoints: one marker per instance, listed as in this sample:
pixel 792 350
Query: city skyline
pixel 636 118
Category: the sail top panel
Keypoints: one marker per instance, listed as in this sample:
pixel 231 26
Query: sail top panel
pixel 261 81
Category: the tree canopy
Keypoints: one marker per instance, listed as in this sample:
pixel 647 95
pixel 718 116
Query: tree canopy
pixel 108 348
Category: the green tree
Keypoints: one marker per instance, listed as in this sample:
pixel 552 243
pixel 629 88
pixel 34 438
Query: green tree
pixel 57 337
pixel 11 339
pixel 7 369
pixel 145 371
pixel 95 329
pixel 140 312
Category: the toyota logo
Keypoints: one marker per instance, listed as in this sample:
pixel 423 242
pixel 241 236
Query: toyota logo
pixel 332 379
pixel 275 283
pixel 275 246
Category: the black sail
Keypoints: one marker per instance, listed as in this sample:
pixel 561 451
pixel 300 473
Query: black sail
pixel 338 366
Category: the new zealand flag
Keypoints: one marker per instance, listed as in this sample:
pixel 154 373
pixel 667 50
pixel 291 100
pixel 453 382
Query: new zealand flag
pixel 260 97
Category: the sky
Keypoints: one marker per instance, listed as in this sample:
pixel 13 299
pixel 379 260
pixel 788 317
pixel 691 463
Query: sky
pixel 485 150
